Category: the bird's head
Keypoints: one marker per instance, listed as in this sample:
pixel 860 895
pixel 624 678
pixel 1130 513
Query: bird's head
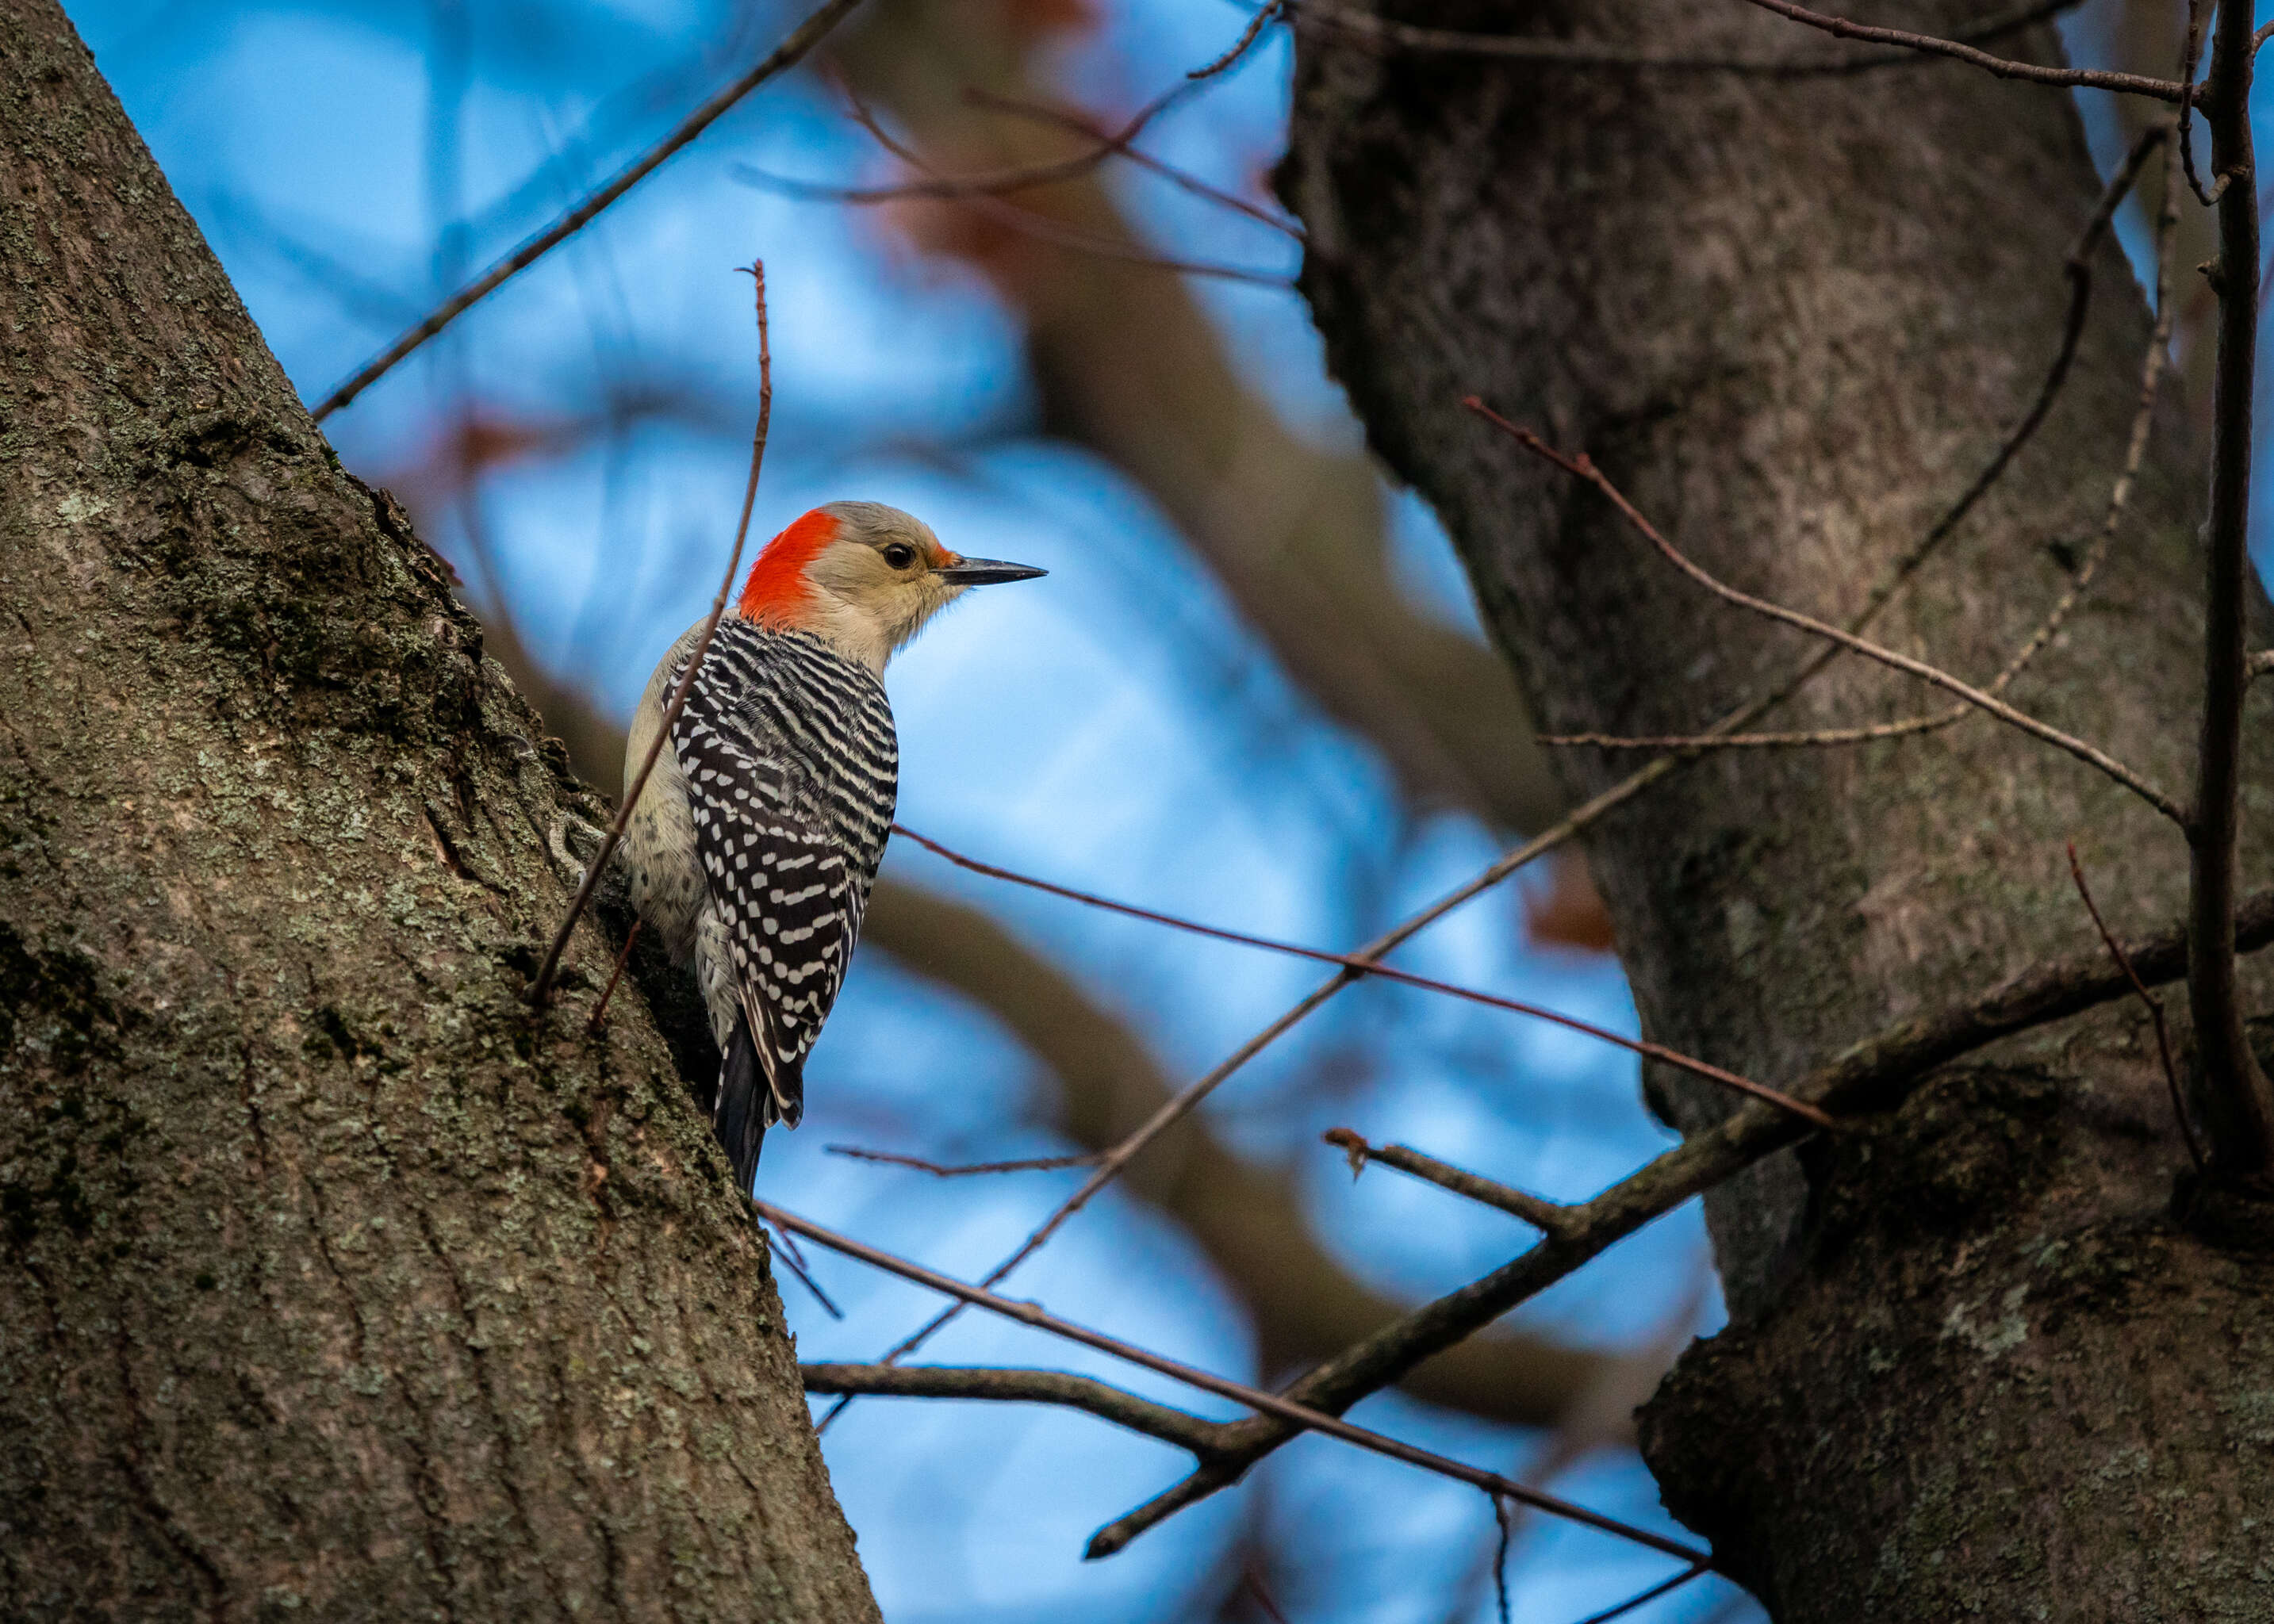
pixel 864 576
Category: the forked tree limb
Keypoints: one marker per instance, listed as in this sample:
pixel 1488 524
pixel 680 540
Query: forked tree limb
pixel 2153 366
pixel 1580 466
pixel 1273 1404
pixel 999 1385
pixel 1876 1075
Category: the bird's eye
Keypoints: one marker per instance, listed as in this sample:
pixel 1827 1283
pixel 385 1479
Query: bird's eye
pixel 899 555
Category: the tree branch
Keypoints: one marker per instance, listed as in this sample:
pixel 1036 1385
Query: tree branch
pixel 1041 113
pixel 2155 1010
pixel 1580 466
pixel 1273 1404
pixel 540 986
pixel 1594 54
pixel 1549 1217
pixel 1875 1075
pixel 1249 1220
pixel 2082 79
pixel 2237 1100
pixel 969 1170
pixel 784 56
pixel 1123 1409
pixel 1372 967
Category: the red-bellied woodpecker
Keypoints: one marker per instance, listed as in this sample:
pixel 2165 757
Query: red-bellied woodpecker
pixel 752 848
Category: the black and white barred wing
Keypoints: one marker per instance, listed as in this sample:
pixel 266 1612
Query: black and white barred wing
pixel 786 895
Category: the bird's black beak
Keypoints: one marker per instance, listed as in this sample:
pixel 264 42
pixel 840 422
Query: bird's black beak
pixel 985 572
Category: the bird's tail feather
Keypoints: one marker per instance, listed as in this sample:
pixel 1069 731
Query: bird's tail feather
pixel 740 1119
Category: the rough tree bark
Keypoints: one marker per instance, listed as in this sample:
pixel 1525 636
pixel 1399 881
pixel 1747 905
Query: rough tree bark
pixel 334 1280
pixel 1975 1368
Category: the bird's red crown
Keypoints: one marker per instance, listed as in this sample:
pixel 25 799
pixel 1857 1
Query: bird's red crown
pixel 776 592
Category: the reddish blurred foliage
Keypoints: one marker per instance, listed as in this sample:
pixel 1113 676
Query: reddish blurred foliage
pixel 983 239
pixel 481 442
pixel 1040 22
pixel 475 443
pixel 1570 913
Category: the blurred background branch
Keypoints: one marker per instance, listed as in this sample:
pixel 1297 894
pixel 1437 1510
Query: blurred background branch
pixel 1127 366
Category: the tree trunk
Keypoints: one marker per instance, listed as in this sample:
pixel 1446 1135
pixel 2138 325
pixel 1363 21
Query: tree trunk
pixel 1974 1367
pixel 335 1279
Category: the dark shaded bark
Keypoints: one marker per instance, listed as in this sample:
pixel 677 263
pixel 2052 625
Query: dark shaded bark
pixel 1976 1367
pixel 335 1281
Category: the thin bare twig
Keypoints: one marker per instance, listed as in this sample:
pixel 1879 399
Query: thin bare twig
pixel 1370 966
pixel 623 957
pixel 1254 1398
pixel 1254 1584
pixel 2151 372
pixel 978 193
pixel 2155 1010
pixel 1592 53
pixel 541 987
pixel 1075 239
pixel 2238 1099
pixel 1908 726
pixel 990 183
pixel 1240 46
pixel 1063 233
pixel 1643 1598
pixel 1549 1217
pixel 996 1385
pixel 2188 58
pixel 1041 113
pixel 1820 738
pixel 795 1261
pixel 1506 1526
pixel 1876 1075
pixel 1031 1164
pixel 2082 79
pixel 1024 177
pixel 786 56
pixel 1582 467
